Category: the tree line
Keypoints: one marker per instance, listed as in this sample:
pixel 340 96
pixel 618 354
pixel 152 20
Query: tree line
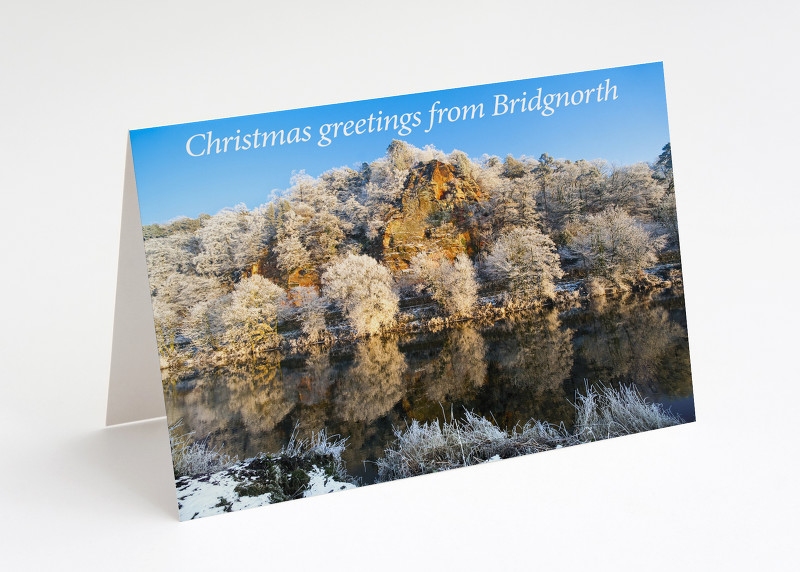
pixel 231 279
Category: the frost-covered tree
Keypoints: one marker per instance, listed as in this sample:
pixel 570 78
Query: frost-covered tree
pixel 167 323
pixel 310 310
pixel 166 256
pixel 291 252
pixel 342 183
pixel 513 203
pixel 512 168
pixel 400 155
pixel 616 246
pixel 451 284
pixel 315 224
pixel 663 168
pixel 230 241
pixel 569 188
pixel 528 260
pixel 357 215
pixel 251 316
pixel 463 165
pixel 362 288
pixel 544 173
pixel 666 213
pixel 633 188
pixel 204 325
pixel 383 189
pixel 304 189
pixel 489 174
pixel 323 235
pixel 173 302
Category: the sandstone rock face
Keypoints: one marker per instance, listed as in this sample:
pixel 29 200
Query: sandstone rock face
pixel 436 216
pixel 304 277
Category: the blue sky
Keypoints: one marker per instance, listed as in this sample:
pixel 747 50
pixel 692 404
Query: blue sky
pixel 171 182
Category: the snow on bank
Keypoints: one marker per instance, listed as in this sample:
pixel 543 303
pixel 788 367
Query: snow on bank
pixel 321 484
pixel 208 495
pixel 213 494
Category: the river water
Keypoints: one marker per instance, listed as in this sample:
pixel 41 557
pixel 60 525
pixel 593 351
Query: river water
pixel 527 366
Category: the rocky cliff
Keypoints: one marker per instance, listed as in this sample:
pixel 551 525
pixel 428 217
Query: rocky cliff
pixel 436 215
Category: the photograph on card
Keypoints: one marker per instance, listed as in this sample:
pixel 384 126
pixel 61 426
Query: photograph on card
pixel 356 293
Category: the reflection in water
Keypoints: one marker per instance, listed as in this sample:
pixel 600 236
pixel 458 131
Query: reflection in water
pixel 460 369
pixel 371 387
pixel 235 401
pixel 316 378
pixel 639 345
pixel 524 367
pixel 538 356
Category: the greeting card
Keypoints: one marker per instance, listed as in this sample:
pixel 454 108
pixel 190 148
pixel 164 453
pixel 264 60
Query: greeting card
pixel 362 292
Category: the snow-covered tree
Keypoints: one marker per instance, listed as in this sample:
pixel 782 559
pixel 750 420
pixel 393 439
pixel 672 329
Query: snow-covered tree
pixel 167 323
pixel 666 213
pixel 342 183
pixel 291 252
pixel 310 310
pixel 489 174
pixel 463 165
pixel 251 316
pixel 513 203
pixel 230 241
pixel 663 168
pixel 633 188
pixel 383 190
pixel 166 256
pixel 544 171
pixel 174 300
pixel 451 284
pixel 323 235
pixel 512 168
pixel 616 246
pixel 528 260
pixel 400 155
pixel 362 288
pixel 204 325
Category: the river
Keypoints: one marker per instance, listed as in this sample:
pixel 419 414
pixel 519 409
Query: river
pixel 523 367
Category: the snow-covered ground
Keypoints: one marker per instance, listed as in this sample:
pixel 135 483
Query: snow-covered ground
pixel 208 495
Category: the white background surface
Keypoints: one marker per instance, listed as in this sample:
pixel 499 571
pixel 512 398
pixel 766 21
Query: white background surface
pixel 717 494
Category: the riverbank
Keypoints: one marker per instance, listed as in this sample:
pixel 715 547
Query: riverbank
pixel 302 468
pixel 305 468
pixel 427 316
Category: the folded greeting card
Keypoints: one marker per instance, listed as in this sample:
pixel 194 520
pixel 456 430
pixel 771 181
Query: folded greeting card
pixel 356 293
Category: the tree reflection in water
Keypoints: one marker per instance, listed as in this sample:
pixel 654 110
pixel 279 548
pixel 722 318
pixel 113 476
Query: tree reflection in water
pixel 460 369
pixel 313 382
pixel 373 384
pixel 526 366
pixel 539 356
pixel 632 343
pixel 235 405
pixel 531 355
